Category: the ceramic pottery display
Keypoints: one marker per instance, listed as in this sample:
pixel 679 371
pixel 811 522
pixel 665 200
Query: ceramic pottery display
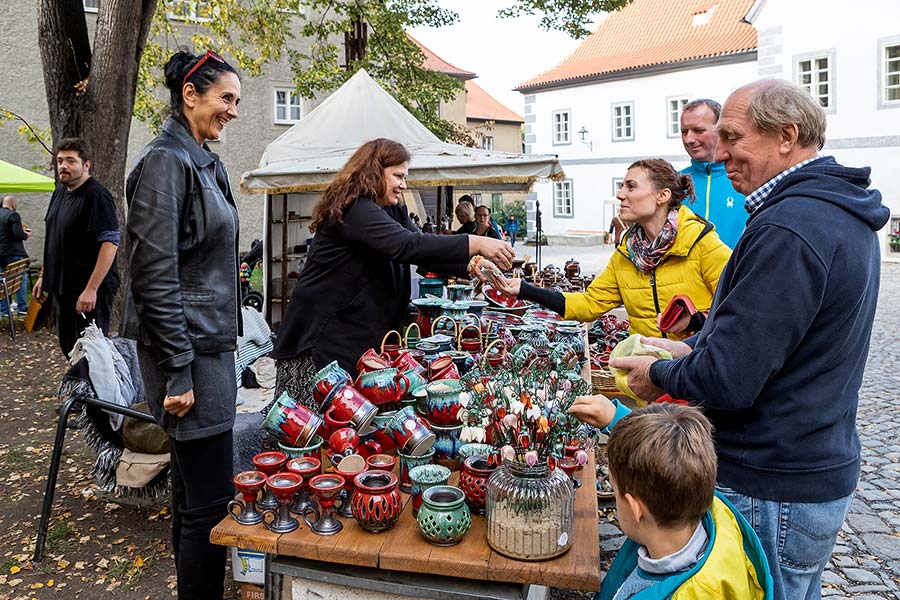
pixel 376 503
pixel 381 462
pixel 459 291
pixel 329 377
pixel 326 488
pixel 407 463
pixel 384 387
pixel 306 468
pixel 349 468
pixel 429 309
pixel 410 433
pixel 348 404
pixel 292 423
pixel 424 477
pixel 283 486
pixel 530 511
pixel 313 449
pixel 476 449
pixel 442 402
pixel 447 443
pixel 269 463
pixel 248 484
pixel 444 517
pixel 473 478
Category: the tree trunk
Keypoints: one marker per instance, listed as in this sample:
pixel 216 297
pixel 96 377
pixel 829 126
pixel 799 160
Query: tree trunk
pixel 90 94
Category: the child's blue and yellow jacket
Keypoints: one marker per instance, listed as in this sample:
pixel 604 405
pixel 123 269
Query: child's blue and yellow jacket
pixel 734 566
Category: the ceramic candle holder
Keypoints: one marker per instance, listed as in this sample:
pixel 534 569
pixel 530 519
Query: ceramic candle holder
pixel 326 488
pixel 306 468
pixel 269 463
pixel 248 484
pixel 476 471
pixel 283 487
pixel 381 462
pixel 444 517
pixel 348 468
pixel 376 502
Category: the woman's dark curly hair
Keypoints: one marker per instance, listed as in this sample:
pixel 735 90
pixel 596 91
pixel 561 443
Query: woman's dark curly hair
pixel 363 175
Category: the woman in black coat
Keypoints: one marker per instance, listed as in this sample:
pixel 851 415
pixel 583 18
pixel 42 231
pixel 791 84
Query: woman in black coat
pixel 355 286
pixel 183 306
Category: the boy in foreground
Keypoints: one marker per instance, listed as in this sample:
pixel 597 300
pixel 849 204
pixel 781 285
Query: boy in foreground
pixel 685 541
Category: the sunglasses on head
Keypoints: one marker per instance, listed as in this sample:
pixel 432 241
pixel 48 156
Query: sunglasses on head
pixel 209 54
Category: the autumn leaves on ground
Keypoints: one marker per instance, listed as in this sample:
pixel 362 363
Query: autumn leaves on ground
pixel 97 546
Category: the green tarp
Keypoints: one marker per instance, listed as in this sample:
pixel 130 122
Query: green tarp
pixel 15 179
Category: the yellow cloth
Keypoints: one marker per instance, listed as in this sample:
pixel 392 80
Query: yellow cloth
pixel 691 267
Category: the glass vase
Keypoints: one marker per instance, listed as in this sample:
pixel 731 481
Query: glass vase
pixel 530 511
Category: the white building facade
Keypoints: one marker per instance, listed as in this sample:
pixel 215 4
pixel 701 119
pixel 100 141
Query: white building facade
pixel 621 120
pixel 849 58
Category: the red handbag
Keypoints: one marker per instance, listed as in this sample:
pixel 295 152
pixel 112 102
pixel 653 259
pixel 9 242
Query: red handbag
pixel 679 306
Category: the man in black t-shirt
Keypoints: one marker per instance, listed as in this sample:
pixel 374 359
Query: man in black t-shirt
pixel 80 244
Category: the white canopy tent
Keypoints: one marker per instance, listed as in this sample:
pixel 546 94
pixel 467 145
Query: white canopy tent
pixel 306 157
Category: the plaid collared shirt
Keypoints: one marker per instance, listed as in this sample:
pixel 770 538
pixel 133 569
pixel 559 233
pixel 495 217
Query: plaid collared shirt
pixel 756 198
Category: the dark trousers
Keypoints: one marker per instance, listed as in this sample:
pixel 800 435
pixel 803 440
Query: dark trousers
pixel 70 324
pixel 201 490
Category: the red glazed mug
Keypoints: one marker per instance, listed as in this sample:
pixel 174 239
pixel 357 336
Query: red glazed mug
pixel 343 441
pixel 347 404
pixel 371 361
pixel 332 424
pixel 411 434
pixel 405 362
pixel 384 387
pixel 292 423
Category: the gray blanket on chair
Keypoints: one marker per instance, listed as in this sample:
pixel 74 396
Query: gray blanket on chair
pixel 107 444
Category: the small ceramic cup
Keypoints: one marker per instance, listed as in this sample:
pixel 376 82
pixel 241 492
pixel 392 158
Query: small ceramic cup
pixel 407 463
pixel 424 477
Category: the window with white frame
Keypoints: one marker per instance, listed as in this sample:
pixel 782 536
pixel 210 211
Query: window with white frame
pixel 562 127
pixel 288 107
pixel 496 202
pixel 890 68
pixel 814 75
pixel 674 108
pixel 91 6
pixel 562 199
pixel 487 142
pixel 617 183
pixel 188 10
pixel 623 121
pixel 476 199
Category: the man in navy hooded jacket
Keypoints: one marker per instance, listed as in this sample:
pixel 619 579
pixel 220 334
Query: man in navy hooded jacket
pixel 779 362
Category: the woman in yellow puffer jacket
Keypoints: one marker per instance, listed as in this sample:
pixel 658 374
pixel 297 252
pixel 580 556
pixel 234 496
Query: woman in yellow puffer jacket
pixel 668 251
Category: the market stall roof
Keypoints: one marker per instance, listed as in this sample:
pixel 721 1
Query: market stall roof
pixel 306 157
pixel 16 180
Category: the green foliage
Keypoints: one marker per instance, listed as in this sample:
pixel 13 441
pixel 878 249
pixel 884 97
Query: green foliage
pixel 570 16
pixel 516 208
pixel 257 32
pixel 894 241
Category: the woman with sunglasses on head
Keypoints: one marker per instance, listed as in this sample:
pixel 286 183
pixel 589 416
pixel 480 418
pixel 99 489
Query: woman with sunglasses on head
pixel 183 305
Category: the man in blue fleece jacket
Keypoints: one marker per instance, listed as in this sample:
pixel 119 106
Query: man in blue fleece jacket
pixel 716 201
pixel 778 365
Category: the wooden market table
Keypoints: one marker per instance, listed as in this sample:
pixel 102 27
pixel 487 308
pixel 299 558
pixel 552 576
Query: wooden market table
pixel 399 562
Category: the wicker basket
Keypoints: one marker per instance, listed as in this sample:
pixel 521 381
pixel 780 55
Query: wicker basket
pixel 602 380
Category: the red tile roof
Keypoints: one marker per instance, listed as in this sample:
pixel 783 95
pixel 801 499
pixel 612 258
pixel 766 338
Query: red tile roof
pixel 482 106
pixel 655 32
pixel 433 62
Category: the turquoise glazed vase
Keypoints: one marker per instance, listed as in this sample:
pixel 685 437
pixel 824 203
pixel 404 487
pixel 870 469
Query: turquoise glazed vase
pixel 444 517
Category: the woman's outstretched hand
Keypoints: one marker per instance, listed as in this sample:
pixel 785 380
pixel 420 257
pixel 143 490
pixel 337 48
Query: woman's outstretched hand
pixel 508 287
pixel 497 251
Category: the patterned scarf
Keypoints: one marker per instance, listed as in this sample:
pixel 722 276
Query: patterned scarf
pixel 646 254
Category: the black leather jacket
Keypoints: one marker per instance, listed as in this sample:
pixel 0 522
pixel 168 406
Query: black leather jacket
pixel 183 264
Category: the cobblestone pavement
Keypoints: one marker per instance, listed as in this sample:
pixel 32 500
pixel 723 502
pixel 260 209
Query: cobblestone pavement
pixel 866 560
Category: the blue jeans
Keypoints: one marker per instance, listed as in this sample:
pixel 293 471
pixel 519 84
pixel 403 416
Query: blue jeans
pixel 798 539
pixel 23 291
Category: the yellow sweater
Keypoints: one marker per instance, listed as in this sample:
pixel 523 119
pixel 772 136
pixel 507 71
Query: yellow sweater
pixel 691 267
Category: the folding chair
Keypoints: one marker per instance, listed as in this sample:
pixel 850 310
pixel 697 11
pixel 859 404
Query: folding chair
pixel 11 280
pixel 64 411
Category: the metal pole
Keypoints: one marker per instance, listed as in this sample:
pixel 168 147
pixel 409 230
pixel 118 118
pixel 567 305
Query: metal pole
pixel 538 233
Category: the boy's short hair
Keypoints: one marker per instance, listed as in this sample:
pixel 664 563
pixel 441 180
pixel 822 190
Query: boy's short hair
pixel 663 454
